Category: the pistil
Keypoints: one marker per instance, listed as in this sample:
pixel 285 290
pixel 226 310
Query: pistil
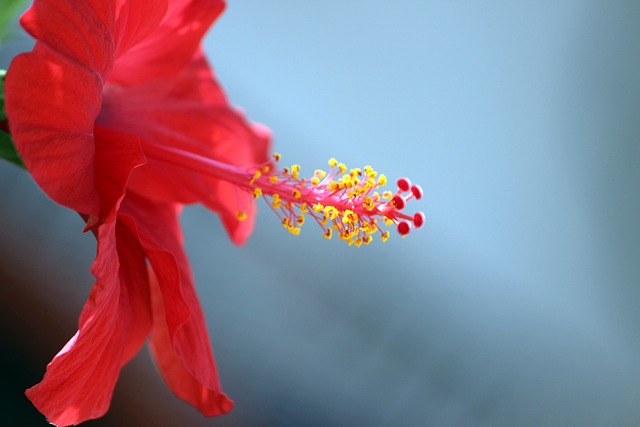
pixel 347 203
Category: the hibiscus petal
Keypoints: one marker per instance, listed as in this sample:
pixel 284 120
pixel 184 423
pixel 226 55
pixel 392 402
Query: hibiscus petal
pixel 116 319
pixel 113 326
pixel 54 94
pixel 179 338
pixel 116 156
pixel 171 46
pixel 52 103
pixel 190 112
pixel 93 32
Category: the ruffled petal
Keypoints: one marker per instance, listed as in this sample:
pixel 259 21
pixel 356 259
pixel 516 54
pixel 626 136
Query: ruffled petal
pixel 179 339
pixel 54 93
pixel 113 325
pixel 117 156
pixel 52 103
pixel 93 32
pixel 116 319
pixel 171 46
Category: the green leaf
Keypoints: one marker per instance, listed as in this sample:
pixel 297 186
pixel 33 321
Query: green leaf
pixel 8 10
pixel 3 115
pixel 8 151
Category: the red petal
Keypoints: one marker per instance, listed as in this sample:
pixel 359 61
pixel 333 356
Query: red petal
pixel 116 156
pixel 54 94
pixel 93 32
pixel 113 325
pixel 179 339
pixel 171 46
pixel 52 103
pixel 190 112
pixel 117 316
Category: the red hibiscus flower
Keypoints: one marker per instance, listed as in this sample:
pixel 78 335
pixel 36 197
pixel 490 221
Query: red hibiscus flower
pixel 117 115
pixel 103 80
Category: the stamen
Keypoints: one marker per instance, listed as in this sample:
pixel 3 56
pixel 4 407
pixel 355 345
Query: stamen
pixel 341 200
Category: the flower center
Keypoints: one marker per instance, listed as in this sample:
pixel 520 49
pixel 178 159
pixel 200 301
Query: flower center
pixel 349 203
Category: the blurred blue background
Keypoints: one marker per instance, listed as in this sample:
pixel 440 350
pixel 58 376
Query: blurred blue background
pixel 517 303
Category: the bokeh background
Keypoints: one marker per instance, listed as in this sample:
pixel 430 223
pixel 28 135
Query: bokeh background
pixel 516 305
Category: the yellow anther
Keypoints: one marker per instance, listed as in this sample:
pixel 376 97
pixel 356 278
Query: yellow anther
pixel 318 207
pixel 333 162
pixel 387 195
pixel 369 183
pixel 300 219
pixel 241 216
pixel 331 212
pixel 349 217
pixel 277 157
pixel 294 230
pixel 295 171
pixel 255 176
pixel 382 180
pixel 368 228
pixel 368 203
pixel 273 179
pixel 328 233
pixel 276 202
pixel 358 191
pixel 319 173
pixel 384 236
pixel 342 167
pixel 304 208
pixel 257 192
pixel 296 193
pixel 355 172
pixel 315 180
pixel 286 223
pixel 266 169
pixel 369 172
pixel 388 222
